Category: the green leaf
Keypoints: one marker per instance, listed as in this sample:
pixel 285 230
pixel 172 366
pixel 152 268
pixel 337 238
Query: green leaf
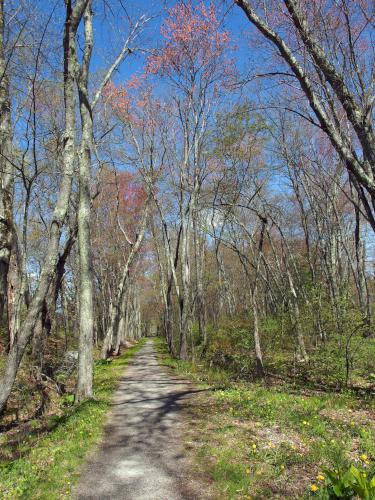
pixel 337 490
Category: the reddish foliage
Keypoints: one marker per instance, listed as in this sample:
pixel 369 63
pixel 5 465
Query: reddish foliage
pixel 122 199
pixel 118 98
pixel 132 195
pixel 135 105
pixel 192 40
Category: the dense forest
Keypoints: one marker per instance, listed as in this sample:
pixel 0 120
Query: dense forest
pixel 198 172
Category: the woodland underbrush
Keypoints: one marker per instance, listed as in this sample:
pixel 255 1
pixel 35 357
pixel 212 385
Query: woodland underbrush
pixel 43 380
pixel 342 359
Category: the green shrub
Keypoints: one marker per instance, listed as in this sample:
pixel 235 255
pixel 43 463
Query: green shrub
pixel 352 483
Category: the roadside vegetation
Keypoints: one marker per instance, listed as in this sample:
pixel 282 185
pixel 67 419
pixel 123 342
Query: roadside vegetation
pixel 40 457
pixel 274 440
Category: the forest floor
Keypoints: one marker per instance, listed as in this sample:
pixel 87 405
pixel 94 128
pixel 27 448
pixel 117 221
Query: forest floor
pixel 265 440
pixel 40 458
pixel 142 454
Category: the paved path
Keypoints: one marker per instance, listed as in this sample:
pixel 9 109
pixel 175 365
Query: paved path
pixel 141 457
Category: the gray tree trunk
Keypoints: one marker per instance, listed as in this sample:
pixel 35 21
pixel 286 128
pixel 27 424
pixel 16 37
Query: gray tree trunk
pixel 199 252
pixel 86 301
pixel 15 355
pixel 254 292
pixel 185 316
pixel 6 170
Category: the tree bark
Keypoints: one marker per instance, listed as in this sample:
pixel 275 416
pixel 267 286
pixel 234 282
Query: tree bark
pixel 86 301
pixel 6 170
pixel 73 19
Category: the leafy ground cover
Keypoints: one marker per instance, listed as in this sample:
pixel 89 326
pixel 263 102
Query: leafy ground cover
pixel 41 458
pixel 260 441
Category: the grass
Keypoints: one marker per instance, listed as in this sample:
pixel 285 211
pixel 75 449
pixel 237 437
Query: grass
pixel 45 462
pixel 258 441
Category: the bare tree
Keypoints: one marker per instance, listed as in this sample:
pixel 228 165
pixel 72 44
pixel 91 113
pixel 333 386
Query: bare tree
pixel 73 18
pixel 326 81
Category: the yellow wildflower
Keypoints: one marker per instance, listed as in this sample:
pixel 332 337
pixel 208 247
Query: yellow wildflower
pixel 248 471
pixel 282 467
pixel 320 477
pixel 304 422
pixel 314 488
pixel 364 474
pixel 254 446
pixel 364 457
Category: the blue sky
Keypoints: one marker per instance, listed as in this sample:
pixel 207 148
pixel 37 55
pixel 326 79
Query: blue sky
pixel 108 41
pixel 111 27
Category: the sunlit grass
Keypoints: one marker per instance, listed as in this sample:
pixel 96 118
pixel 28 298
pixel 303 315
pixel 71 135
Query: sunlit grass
pixel 258 441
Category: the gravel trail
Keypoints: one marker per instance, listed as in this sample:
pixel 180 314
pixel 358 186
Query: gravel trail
pixel 141 455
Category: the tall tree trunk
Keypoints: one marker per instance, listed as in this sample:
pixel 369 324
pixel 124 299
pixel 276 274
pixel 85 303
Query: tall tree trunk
pixel 254 292
pixel 6 170
pixel 256 335
pixel 166 283
pixel 44 325
pixel 14 358
pixel 86 311
pixel 122 330
pixel 39 337
pixel 200 296
pixel 14 289
pixel 363 289
pixel 185 299
pixel 301 348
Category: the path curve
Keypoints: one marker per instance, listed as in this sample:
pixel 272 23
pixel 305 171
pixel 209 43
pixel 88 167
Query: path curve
pixel 141 456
